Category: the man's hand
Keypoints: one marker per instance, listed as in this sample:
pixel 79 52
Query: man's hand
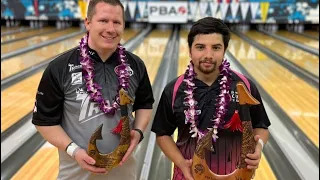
pixel 87 163
pixel 135 137
pixel 253 160
pixel 186 169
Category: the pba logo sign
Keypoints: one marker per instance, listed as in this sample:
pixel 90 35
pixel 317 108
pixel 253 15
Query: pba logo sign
pixel 173 12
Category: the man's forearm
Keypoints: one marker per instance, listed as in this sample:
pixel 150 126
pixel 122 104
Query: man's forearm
pixel 142 118
pixel 55 135
pixel 263 133
pixel 171 150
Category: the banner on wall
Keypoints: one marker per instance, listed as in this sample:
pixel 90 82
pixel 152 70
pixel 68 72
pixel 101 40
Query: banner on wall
pixel 173 12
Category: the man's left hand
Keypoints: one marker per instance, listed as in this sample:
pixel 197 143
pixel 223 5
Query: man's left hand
pixel 253 160
pixel 135 137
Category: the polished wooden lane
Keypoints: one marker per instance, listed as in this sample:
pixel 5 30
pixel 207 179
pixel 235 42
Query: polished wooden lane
pixel 312 33
pixel 150 51
pixel 264 172
pixel 7 29
pixel 302 59
pixel 299 38
pixel 18 100
pixel 20 97
pixel 25 34
pixel 32 41
pixel 27 60
pixel 30 59
pixel 41 165
pixel 128 34
pixel 296 97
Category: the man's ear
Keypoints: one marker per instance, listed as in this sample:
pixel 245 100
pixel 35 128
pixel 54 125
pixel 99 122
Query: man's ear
pixel 87 23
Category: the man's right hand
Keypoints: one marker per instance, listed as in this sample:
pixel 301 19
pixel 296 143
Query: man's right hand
pixel 186 169
pixel 87 163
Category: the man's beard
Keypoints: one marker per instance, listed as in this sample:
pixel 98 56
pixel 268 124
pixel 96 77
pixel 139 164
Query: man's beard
pixel 207 70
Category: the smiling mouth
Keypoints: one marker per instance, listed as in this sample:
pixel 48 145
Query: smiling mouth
pixel 108 38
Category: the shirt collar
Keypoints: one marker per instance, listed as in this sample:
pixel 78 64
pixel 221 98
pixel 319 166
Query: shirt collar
pixel 95 56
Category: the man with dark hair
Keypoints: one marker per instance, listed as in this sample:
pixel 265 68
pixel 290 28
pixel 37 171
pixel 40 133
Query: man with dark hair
pixel 79 91
pixel 204 99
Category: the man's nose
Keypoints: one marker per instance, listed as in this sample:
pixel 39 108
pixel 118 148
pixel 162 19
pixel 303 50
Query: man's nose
pixel 209 54
pixel 109 27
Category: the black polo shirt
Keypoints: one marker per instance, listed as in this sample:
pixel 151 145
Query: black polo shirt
pixel 224 158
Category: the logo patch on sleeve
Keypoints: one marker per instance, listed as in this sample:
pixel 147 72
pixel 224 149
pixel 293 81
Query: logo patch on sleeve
pixel 35 107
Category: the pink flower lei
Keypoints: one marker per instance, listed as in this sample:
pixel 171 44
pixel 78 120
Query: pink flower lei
pixel 192 113
pixel 95 89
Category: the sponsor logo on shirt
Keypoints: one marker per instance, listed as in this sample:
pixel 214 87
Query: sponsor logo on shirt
pixel 234 96
pixel 76 78
pixel 88 110
pixel 91 52
pixel 73 67
pixel 116 70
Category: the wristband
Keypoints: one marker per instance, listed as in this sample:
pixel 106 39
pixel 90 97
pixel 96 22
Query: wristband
pixel 141 134
pixel 262 143
pixel 72 148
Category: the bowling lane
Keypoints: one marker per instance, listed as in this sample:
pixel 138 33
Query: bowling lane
pixel 150 51
pixel 264 172
pixel 302 59
pixel 128 34
pixel 296 97
pixel 299 38
pixel 32 41
pixel 7 29
pixel 25 34
pixel 30 59
pixel 312 33
pixel 20 96
pixel 41 165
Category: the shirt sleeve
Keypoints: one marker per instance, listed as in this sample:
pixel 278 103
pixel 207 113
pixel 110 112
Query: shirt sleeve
pixel 49 99
pixel 164 122
pixel 144 95
pixel 258 113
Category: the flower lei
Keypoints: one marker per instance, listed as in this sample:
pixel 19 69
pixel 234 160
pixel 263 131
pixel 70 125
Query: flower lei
pixel 93 88
pixel 192 113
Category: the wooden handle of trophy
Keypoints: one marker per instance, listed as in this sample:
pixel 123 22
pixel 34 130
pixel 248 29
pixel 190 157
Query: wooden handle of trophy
pixel 124 97
pixel 244 96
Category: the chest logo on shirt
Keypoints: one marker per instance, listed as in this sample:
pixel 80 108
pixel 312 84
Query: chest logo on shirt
pixel 73 67
pixel 234 96
pixel 116 70
pixel 76 78
pixel 88 110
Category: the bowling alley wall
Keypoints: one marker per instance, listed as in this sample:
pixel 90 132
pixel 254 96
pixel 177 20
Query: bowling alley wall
pixel 232 11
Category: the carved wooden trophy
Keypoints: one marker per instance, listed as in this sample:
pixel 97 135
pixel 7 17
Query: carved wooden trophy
pixel 200 169
pixel 113 158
